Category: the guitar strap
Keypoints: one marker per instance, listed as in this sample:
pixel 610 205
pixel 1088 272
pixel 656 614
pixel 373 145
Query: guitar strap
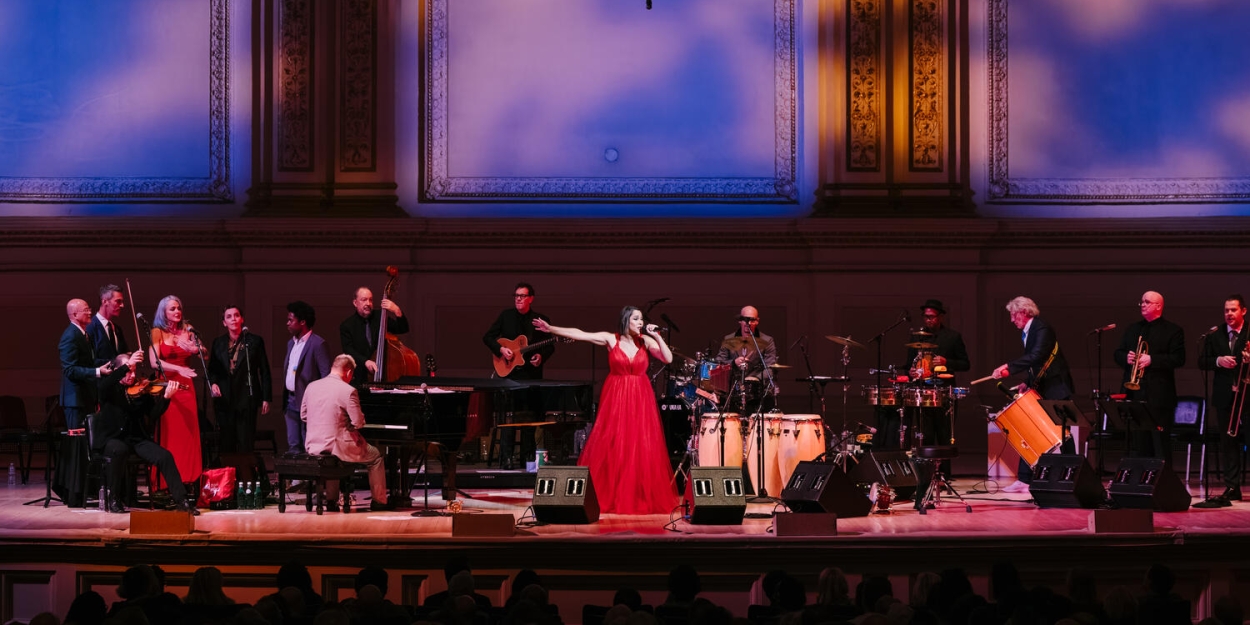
pixel 1037 379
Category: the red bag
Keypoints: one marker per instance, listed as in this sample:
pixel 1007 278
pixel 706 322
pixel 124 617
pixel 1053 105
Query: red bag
pixel 218 490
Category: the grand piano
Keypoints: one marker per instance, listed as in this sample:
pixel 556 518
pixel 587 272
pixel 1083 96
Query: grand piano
pixel 406 416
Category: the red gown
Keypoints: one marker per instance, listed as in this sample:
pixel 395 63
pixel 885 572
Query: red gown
pixel 626 453
pixel 180 424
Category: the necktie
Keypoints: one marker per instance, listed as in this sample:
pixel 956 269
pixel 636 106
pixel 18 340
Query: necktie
pixel 1024 336
pixel 108 328
pixel 1232 341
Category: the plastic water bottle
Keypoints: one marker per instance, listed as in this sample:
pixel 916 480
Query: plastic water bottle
pixel 103 505
pixel 12 475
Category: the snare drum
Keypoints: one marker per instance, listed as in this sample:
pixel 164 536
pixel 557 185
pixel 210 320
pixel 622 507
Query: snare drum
pixel 772 423
pixel 802 438
pixel 710 428
pixel 958 392
pixel 924 397
pixel 881 395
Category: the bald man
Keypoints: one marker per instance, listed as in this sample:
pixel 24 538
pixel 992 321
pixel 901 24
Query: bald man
pixel 739 349
pixel 79 374
pixel 1159 362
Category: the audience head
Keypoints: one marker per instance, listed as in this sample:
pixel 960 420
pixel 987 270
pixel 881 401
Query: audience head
pixel 87 609
pixel 1229 611
pixel 871 589
pixel 206 588
pixel 333 616
pixel 791 596
pixel 832 587
pixel 769 584
pixel 454 565
pixel 294 574
pixel 683 583
pixel 372 576
pixel 1004 581
pixel 45 618
pixel 1159 580
pixel 926 583
pixel 629 598
pixel 460 584
pixel 137 582
pixel 523 578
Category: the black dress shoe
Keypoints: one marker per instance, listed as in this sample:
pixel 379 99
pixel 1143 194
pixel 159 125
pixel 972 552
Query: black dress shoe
pixel 1232 494
pixel 377 506
pixel 186 506
pixel 117 508
pixel 1218 501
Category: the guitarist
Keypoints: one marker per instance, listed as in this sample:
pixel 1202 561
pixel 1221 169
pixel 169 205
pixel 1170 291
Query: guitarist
pixel 511 324
pixel 359 332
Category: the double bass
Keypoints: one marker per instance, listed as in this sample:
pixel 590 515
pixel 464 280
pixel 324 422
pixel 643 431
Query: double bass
pixel 394 359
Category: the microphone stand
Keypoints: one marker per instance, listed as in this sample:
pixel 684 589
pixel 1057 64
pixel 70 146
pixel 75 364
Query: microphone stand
pixel 770 389
pixel 879 339
pixel 1202 427
pixel 1099 409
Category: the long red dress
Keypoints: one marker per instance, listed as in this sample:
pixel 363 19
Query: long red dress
pixel 626 453
pixel 180 424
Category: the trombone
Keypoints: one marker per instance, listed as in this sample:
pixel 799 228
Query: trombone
pixel 1239 393
pixel 1134 378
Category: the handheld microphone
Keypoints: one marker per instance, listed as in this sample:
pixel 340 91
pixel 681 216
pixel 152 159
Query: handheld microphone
pixel 670 323
pixel 871 430
pixel 796 343
pixel 1109 326
pixel 1209 332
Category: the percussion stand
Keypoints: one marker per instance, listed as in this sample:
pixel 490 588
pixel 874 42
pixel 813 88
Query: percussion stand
pixel 879 338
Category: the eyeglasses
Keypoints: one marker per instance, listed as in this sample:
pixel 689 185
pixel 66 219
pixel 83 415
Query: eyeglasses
pixel 1145 303
pixel 748 319
pixel 521 295
pixel 931 316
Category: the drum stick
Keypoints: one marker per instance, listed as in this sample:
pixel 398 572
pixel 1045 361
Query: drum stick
pixel 980 380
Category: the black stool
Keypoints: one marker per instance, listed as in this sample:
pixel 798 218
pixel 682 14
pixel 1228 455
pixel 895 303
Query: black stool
pixel 934 456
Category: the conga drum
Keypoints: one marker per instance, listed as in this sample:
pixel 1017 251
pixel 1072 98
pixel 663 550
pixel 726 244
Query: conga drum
pixel 772 424
pixel 711 426
pixel 1028 428
pixel 802 438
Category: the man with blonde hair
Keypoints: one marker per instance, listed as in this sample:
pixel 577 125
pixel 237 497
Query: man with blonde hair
pixel 1045 369
pixel 331 410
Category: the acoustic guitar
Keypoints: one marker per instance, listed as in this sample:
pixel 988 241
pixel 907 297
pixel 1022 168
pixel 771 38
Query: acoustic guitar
pixel 520 347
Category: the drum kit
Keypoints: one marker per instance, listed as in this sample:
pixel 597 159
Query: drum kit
pixel 926 385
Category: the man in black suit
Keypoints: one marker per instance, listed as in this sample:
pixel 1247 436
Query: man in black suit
pixel 510 324
pixel 79 372
pixel 1157 364
pixel 106 336
pixel 238 371
pixel 1045 369
pixel 120 428
pixel 1223 352
pixel 359 332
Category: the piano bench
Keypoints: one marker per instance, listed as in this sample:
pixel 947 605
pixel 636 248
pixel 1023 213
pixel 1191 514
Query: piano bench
pixel 509 429
pixel 316 470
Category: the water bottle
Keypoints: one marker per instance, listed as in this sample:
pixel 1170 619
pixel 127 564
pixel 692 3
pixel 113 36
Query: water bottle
pixel 238 496
pixel 12 475
pixel 103 505
pixel 249 497
pixel 262 494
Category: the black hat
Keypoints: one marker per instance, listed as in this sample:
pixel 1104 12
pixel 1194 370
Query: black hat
pixel 935 305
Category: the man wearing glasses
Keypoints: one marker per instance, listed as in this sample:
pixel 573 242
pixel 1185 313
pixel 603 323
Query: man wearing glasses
pixel 739 349
pixel 513 323
pixel 1162 353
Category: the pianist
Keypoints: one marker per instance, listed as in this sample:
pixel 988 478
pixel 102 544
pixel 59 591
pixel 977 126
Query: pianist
pixel 331 410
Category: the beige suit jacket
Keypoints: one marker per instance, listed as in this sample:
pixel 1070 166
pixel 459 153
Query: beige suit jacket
pixel 331 408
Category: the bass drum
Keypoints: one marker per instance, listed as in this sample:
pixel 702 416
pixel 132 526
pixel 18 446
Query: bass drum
pixel 677 418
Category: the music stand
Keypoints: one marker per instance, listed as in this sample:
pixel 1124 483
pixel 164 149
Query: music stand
pixel 1133 413
pixel 1065 414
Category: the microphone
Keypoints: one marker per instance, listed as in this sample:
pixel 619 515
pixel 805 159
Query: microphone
pixel 906 315
pixel 658 301
pixel 1209 332
pixel 796 343
pixel 871 430
pixel 245 330
pixel 1109 326
pixel 670 323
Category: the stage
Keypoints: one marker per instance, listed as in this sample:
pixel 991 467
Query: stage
pixel 78 549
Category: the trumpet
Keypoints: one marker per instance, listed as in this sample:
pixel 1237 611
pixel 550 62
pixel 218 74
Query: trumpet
pixel 1134 378
pixel 1239 394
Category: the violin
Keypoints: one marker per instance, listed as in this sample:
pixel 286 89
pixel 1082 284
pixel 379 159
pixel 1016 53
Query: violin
pixel 152 386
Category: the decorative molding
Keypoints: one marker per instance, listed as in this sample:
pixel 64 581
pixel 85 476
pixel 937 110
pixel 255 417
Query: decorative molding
pixel 864 86
pixel 1003 189
pixel 439 185
pixel 358 76
pixel 927 85
pixel 296 56
pixel 216 187
pixel 11 578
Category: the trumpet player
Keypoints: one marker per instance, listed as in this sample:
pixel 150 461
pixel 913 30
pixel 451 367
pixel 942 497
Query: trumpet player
pixel 1222 353
pixel 1150 352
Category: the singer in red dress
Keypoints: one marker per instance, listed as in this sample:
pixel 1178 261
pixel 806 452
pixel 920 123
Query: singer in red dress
pixel 626 453
pixel 174 344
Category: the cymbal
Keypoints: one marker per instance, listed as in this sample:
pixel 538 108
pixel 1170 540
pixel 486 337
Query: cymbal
pixel 921 333
pixel 677 352
pixel 920 345
pixel 779 366
pixel 845 340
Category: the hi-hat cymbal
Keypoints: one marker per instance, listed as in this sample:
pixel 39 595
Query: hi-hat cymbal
pixel 921 333
pixel 779 366
pixel 845 340
pixel 920 345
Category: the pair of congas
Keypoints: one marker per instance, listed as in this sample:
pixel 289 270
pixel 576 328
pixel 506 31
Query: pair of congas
pixel 724 440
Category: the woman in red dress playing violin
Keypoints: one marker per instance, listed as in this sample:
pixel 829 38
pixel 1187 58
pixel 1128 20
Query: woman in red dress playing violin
pixel 626 453
pixel 174 344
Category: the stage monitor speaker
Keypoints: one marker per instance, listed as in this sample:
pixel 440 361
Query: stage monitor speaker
pixel 892 468
pixel 1065 481
pixel 565 495
pixel 716 496
pixel 1148 484
pixel 819 487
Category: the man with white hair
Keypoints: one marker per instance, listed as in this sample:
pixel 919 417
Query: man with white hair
pixel 1045 369
pixel 331 410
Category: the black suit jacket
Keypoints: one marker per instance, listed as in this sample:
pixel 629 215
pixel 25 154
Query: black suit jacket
pixel 105 351
pixel 1214 346
pixel 356 342
pixel 1056 382
pixel 120 417
pixel 234 388
pixel 1166 342
pixel 78 379
pixel 509 325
